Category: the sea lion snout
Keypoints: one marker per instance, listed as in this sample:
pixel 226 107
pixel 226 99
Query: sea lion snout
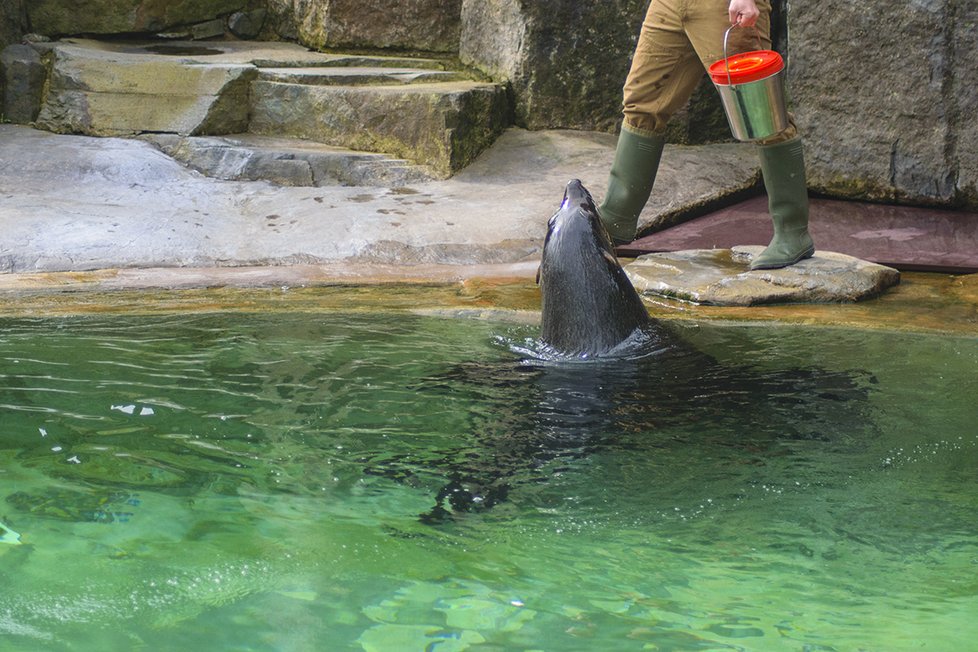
pixel 575 194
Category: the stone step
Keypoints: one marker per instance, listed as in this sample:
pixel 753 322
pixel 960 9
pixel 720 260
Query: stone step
pixel 108 89
pixel 440 125
pixel 340 60
pixel 263 54
pixel 285 161
pixel 358 75
pixel 416 109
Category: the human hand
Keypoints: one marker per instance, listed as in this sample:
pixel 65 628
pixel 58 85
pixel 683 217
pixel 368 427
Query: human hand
pixel 743 13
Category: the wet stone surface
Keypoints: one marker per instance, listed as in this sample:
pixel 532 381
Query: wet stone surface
pixel 70 203
pixel 722 277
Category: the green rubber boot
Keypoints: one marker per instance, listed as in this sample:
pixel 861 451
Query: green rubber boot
pixel 630 183
pixel 783 169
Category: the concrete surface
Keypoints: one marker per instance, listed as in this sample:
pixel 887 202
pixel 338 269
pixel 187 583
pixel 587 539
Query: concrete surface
pixel 73 203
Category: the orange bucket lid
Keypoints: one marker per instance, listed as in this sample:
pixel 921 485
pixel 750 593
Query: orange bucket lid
pixel 746 67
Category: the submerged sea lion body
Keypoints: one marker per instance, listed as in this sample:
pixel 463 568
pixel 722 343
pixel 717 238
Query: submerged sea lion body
pixel 589 306
pixel 534 421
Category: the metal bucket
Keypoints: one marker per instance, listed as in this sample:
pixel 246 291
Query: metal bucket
pixel 755 109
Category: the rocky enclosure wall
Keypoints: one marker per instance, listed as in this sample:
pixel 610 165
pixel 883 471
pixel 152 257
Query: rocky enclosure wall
pixel 886 94
pixel 566 60
pixel 887 97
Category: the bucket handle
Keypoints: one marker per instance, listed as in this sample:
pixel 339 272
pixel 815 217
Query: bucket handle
pixel 726 58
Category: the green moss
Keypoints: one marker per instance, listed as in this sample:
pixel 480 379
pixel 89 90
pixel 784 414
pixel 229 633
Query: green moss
pixel 854 188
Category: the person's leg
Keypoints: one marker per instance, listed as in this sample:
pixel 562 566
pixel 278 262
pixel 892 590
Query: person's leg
pixel 665 69
pixel 781 155
pixel 664 73
pixel 783 169
pixel 708 21
pixel 630 182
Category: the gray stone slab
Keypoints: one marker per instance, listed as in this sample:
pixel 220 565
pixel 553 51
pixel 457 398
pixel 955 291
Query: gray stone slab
pixel 439 119
pixel 263 54
pixel 440 125
pixel 722 277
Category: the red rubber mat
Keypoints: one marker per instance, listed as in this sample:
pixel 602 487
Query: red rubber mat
pixel 906 238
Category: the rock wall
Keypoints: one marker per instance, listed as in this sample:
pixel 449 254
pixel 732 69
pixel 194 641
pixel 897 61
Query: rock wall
pixel 564 59
pixel 964 90
pixel 885 95
pixel 427 25
pixel 22 76
pixel 13 25
pixel 567 60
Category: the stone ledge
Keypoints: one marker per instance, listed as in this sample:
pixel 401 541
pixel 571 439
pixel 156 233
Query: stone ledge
pixel 721 277
pixel 443 126
pixel 286 161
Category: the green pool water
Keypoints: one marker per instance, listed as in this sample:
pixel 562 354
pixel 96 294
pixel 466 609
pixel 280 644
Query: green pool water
pixel 399 482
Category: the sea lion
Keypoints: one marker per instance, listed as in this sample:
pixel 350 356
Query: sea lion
pixel 589 306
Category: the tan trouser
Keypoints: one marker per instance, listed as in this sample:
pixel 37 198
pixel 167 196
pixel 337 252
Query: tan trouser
pixel 679 39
